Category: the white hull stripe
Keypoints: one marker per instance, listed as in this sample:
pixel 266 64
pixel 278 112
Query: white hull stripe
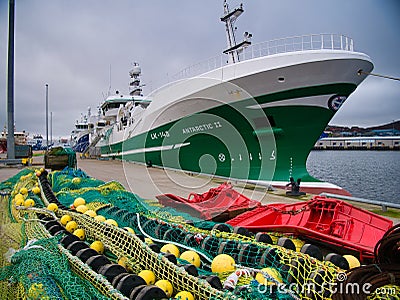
pixel 151 149
pixel 321 101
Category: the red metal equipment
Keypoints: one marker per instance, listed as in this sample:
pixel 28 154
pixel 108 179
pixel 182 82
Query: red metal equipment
pixel 218 204
pixel 330 221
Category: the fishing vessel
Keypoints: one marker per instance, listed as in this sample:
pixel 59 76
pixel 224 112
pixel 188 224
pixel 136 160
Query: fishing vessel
pixel 20 138
pixel 80 135
pixel 86 129
pixel 36 142
pixel 253 113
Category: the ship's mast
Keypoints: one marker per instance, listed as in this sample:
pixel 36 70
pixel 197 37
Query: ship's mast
pixel 135 88
pixel 230 18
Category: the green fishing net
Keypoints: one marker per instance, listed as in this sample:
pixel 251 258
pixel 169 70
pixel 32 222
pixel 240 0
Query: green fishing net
pixel 44 273
pixel 162 225
pixel 8 185
pixel 44 268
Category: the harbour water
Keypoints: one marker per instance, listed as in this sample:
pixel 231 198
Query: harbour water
pixel 366 174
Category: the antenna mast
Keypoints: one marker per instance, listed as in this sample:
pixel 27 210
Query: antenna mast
pixel 230 18
pixel 109 86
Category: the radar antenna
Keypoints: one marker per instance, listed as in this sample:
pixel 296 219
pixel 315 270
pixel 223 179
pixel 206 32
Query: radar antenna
pixel 135 88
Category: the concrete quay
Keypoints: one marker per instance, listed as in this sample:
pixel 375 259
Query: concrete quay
pixel 149 182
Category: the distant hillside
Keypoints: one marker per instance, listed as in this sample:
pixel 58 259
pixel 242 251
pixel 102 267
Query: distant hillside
pixel 387 126
pixel 355 130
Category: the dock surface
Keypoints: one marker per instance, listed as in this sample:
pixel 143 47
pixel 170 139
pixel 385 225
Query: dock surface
pixel 149 182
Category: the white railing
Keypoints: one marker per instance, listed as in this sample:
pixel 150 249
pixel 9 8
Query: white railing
pixel 284 45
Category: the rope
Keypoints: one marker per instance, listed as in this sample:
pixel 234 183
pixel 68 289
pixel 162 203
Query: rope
pixel 371 275
pixel 383 273
pixel 377 75
pixel 37 210
pixel 387 249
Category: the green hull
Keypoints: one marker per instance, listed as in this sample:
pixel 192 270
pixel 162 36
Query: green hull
pixel 236 141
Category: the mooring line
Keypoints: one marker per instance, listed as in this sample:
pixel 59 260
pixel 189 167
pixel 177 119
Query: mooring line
pixel 377 75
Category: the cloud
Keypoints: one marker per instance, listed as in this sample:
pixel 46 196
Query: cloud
pixel 375 102
pixel 71 44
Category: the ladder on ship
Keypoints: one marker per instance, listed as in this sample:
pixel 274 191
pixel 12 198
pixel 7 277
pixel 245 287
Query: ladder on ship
pixel 91 145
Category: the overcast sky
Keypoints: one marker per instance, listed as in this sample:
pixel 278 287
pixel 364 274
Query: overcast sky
pixel 71 44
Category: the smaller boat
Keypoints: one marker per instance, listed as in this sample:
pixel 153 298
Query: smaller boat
pixel 3 146
pixel 218 204
pixel 322 219
pixel 20 138
pixel 85 130
pixel 80 135
pixel 37 142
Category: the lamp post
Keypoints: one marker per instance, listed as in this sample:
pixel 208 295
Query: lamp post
pixel 47 116
pixel 10 84
pixel 51 128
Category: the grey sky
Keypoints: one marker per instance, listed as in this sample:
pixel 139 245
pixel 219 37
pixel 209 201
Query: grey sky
pixel 70 44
